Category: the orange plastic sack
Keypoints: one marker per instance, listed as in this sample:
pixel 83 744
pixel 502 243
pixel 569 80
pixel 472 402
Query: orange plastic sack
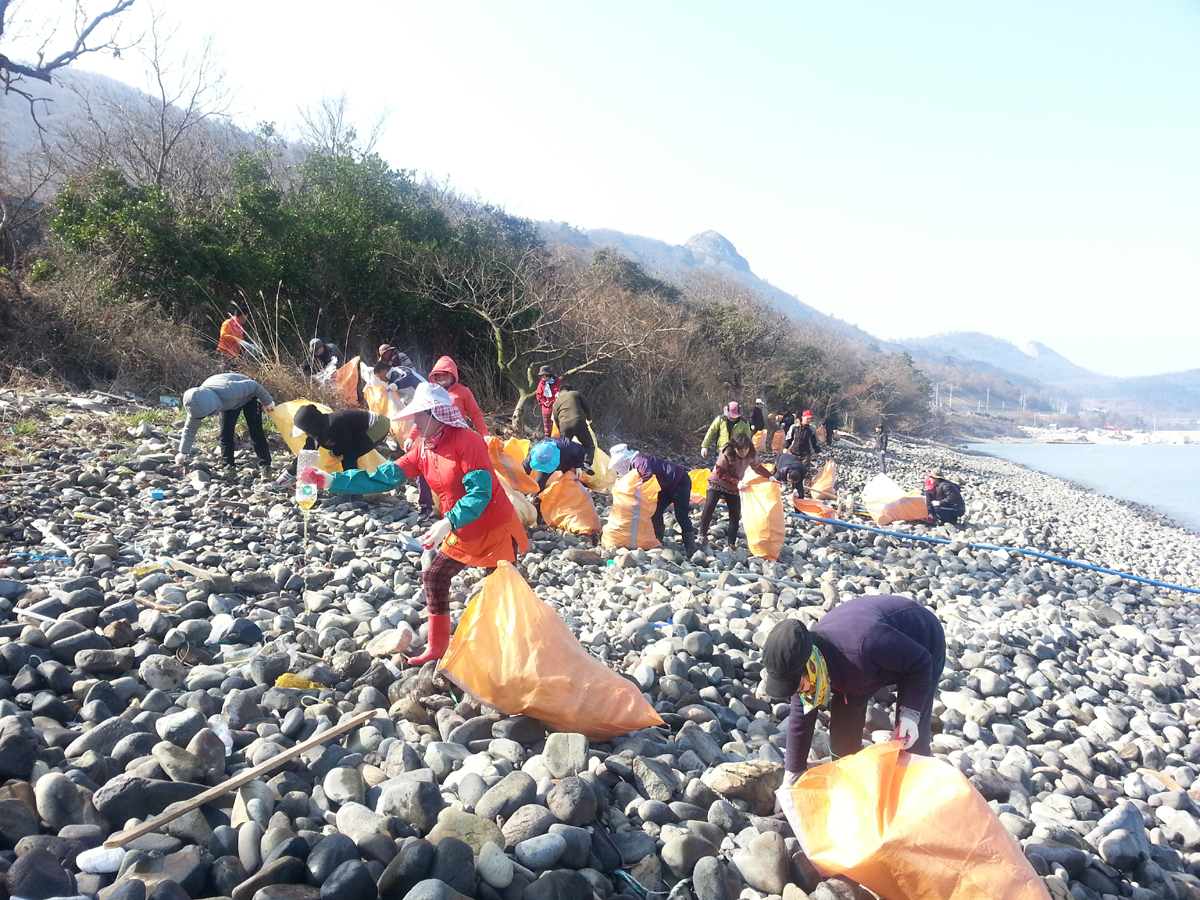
pixel 385 401
pixel 812 507
pixel 760 441
pixel 510 469
pixel 824 483
pixel 518 447
pixel 887 502
pixel 633 505
pixel 566 504
pixel 777 442
pixel 526 511
pixel 344 383
pixel 283 415
pixel 514 651
pixel 699 484
pixel 907 827
pixel 762 515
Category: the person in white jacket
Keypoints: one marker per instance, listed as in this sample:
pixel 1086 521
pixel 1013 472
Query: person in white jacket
pixel 230 394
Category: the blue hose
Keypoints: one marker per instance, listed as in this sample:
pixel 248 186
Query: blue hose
pixel 1039 555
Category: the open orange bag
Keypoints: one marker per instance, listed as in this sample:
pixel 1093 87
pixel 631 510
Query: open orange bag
pixel 514 651
pixel 824 483
pixel 699 484
pixel 508 467
pixel 760 441
pixel 344 382
pixel 633 505
pixel 887 502
pixel 518 447
pixel 762 516
pixel 777 442
pixel 812 507
pixel 566 504
pixel 907 827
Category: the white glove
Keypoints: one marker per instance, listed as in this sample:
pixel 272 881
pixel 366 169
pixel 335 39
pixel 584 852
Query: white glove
pixel 407 444
pixel 936 503
pixel 907 731
pixel 270 407
pixel 438 533
pixel 180 459
pixel 704 453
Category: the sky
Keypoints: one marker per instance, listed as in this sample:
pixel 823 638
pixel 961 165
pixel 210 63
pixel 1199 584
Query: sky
pixel 1025 168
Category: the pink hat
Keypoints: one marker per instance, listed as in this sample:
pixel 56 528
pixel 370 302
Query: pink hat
pixel 733 410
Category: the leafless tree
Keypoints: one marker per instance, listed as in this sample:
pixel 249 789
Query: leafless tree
pixel 327 128
pixel 92 30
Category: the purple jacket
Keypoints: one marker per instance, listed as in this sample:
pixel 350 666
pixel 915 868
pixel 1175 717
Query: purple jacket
pixel 667 473
pixel 870 643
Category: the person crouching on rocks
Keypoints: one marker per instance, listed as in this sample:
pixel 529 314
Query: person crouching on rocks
pixel 554 454
pixel 943 499
pixel 856 649
pixel 791 471
pixel 230 394
pixel 346 433
pixel 732 462
pixel 480 528
pixel 675 487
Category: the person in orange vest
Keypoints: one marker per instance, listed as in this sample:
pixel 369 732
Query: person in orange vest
pixel 232 332
pixel 480 526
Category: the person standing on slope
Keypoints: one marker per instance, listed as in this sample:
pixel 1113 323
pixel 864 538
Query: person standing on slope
pixel 723 429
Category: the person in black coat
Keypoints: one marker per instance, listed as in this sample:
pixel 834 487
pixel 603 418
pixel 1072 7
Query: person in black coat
pixel 805 443
pixel 758 421
pixel 554 454
pixel 348 433
pixel 790 470
pixel 881 444
pixel 943 499
pixel 856 649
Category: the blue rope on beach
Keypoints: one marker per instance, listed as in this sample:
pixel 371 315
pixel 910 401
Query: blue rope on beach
pixel 1040 555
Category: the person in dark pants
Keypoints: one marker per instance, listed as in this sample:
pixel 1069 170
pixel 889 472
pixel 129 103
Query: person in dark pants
pixel 831 425
pixel 231 395
pixel 346 433
pixel 675 489
pixel 881 442
pixel 732 462
pixel 856 649
pixel 571 414
pixel 552 455
pixel 791 471
pixel 548 387
pixel 943 499
pixel 320 356
pixel 757 420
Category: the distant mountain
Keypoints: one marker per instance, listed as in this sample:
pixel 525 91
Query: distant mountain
pixel 1035 361
pixel 708 252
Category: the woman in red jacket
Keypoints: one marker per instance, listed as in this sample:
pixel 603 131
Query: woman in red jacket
pixel 547 389
pixel 480 526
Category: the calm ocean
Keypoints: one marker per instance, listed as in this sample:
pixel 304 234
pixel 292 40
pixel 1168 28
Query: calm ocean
pixel 1164 476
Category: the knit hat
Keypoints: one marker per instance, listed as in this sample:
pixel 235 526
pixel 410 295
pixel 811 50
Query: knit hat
pixel 785 658
pixel 545 457
pixel 733 410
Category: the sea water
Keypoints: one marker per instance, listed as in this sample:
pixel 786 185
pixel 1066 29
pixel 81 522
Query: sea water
pixel 1163 476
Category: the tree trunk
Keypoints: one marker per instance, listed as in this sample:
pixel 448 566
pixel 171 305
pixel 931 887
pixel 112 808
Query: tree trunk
pixel 518 413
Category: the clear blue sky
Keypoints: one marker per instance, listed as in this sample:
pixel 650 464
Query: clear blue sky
pixel 1025 168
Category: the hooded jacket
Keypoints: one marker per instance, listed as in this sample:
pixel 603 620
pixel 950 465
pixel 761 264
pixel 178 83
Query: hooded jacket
pixel 226 391
pixel 462 397
pixel 336 431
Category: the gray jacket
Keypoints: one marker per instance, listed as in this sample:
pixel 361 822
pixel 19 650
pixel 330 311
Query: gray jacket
pixel 218 394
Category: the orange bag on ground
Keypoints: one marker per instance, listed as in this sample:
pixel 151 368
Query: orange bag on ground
pixel 907 827
pixel 812 507
pixel 526 511
pixel 566 504
pixel 283 415
pixel 887 502
pixel 777 442
pixel 344 382
pixel 514 651
pixel 699 484
pixel 509 468
pixel 760 441
pixel 762 516
pixel 824 483
pixel 386 402
pixel 518 447
pixel 633 505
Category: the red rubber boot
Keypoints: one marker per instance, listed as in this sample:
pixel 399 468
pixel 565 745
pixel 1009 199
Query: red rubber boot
pixel 439 640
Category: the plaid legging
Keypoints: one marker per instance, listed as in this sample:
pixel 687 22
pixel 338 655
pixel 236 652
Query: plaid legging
pixel 436 579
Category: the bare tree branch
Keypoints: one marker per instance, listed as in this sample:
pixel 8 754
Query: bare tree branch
pixel 12 70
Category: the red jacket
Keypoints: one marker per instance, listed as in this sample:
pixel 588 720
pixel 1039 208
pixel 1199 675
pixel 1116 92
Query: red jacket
pixel 548 401
pixel 462 397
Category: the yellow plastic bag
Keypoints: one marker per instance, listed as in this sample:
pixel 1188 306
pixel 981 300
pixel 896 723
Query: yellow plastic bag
pixel 907 827
pixel 566 504
pixel 887 502
pixel 824 483
pixel 385 401
pixel 510 469
pixel 699 484
pixel 344 383
pixel 629 520
pixel 514 651
pixel 526 511
pixel 283 415
pixel 762 515
pixel 605 477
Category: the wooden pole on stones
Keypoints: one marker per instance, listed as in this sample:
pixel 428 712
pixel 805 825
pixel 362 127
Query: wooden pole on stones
pixel 238 780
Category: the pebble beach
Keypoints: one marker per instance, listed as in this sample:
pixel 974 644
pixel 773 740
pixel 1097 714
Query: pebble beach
pixel 1070 697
